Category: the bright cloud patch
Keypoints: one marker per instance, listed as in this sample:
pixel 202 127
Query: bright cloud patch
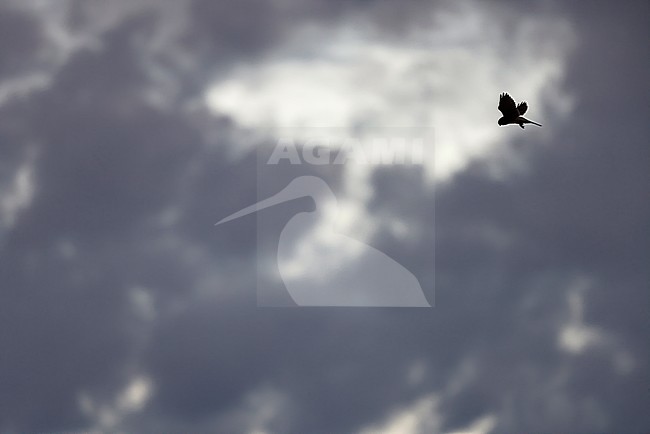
pixel 344 77
pixel 18 195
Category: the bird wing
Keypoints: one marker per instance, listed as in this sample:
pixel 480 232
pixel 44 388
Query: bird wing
pixel 522 107
pixel 507 106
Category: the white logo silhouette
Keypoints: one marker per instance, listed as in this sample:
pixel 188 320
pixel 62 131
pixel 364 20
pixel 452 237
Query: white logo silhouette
pixel 372 279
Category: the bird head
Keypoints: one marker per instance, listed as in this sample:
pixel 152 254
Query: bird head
pixel 502 121
pixel 303 186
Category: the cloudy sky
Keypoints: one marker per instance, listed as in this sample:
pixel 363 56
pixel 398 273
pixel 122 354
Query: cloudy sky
pixel 128 128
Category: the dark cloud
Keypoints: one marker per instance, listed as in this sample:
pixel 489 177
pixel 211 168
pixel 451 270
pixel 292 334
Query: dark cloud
pixel 21 41
pixel 126 192
pixel 69 260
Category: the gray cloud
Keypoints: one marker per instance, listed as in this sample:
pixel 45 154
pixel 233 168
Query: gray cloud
pixel 126 191
pixel 22 39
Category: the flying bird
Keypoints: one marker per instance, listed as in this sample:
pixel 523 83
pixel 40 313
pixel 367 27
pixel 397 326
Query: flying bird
pixel 513 113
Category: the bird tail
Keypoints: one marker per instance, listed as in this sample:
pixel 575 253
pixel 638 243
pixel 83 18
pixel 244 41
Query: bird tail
pixel 531 122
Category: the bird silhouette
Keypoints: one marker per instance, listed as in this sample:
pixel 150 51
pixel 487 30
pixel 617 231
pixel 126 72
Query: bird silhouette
pixel 328 277
pixel 513 113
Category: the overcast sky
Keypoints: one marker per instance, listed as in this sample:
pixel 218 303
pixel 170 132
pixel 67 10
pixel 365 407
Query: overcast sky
pixel 128 128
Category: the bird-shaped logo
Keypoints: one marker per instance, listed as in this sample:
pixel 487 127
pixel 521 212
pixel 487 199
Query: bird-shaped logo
pixel 371 279
pixel 513 113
